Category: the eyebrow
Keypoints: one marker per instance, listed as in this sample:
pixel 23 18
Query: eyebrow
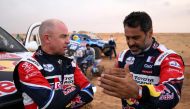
pixel 132 36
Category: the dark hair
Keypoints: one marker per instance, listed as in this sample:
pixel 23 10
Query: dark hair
pixel 138 18
pixel 87 45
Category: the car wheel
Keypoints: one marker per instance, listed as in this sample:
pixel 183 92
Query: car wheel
pixel 107 52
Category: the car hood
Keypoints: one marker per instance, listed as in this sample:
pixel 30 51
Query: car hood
pixel 8 61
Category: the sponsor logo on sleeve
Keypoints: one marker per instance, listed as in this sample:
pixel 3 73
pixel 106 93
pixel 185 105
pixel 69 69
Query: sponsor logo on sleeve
pixel 174 64
pixel 31 74
pixel 167 96
pixel 174 70
pixel 27 67
pixel 30 70
pixel 68 89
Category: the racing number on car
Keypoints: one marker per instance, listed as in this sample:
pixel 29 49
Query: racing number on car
pixel 7 87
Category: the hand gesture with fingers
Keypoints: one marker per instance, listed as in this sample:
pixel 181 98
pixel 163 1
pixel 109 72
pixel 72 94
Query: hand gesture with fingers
pixel 119 83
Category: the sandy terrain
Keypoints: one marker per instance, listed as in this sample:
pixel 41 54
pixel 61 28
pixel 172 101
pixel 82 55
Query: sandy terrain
pixel 178 42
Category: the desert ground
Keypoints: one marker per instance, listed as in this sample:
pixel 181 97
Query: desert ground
pixel 178 42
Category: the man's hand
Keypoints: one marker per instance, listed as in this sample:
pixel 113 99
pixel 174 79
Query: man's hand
pixel 119 83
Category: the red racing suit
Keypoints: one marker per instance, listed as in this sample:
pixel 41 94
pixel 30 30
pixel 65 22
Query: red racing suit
pixel 160 73
pixel 53 82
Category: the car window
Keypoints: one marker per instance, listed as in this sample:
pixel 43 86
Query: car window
pixel 9 44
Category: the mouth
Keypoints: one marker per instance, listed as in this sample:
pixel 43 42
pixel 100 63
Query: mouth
pixel 134 49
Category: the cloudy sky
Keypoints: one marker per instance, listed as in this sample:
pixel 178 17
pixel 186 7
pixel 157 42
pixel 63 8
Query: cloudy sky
pixel 94 15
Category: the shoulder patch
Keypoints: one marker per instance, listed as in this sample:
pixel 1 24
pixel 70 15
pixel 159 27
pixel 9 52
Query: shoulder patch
pixel 32 61
pixel 162 56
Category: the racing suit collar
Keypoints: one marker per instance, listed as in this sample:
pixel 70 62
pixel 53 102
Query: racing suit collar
pixel 40 52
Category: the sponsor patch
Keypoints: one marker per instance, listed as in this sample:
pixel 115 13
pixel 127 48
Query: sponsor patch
pixel 27 67
pixel 57 83
pixel 167 96
pixel 31 74
pixel 145 79
pixel 148 66
pixel 147 72
pixel 48 67
pixel 130 60
pixel 68 79
pixel 68 89
pixel 174 64
pixel 151 59
pixel 174 70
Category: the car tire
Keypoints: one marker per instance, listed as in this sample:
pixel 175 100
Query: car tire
pixel 98 53
pixel 107 52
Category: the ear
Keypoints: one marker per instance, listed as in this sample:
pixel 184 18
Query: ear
pixel 46 38
pixel 150 33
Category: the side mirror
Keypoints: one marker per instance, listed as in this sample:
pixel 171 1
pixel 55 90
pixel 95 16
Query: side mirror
pixel 32 46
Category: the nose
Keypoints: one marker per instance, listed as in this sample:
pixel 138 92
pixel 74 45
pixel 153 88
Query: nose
pixel 67 40
pixel 130 42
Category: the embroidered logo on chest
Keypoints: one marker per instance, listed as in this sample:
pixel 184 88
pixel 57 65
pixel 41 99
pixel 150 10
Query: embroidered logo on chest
pixel 48 67
pixel 130 60
pixel 68 79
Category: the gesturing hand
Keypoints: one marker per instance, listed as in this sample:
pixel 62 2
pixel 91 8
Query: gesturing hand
pixel 119 83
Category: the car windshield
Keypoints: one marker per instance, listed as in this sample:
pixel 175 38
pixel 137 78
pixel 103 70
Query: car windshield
pixel 9 44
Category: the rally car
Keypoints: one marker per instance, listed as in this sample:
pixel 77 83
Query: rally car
pixel 99 45
pixel 11 51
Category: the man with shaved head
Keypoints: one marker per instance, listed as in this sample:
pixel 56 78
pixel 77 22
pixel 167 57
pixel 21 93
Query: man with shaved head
pixel 49 79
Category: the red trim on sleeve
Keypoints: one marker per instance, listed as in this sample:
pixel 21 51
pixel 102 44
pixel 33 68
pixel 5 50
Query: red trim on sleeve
pixel 80 78
pixel 30 74
pixel 171 68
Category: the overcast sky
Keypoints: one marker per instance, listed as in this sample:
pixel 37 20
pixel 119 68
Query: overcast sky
pixel 94 15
